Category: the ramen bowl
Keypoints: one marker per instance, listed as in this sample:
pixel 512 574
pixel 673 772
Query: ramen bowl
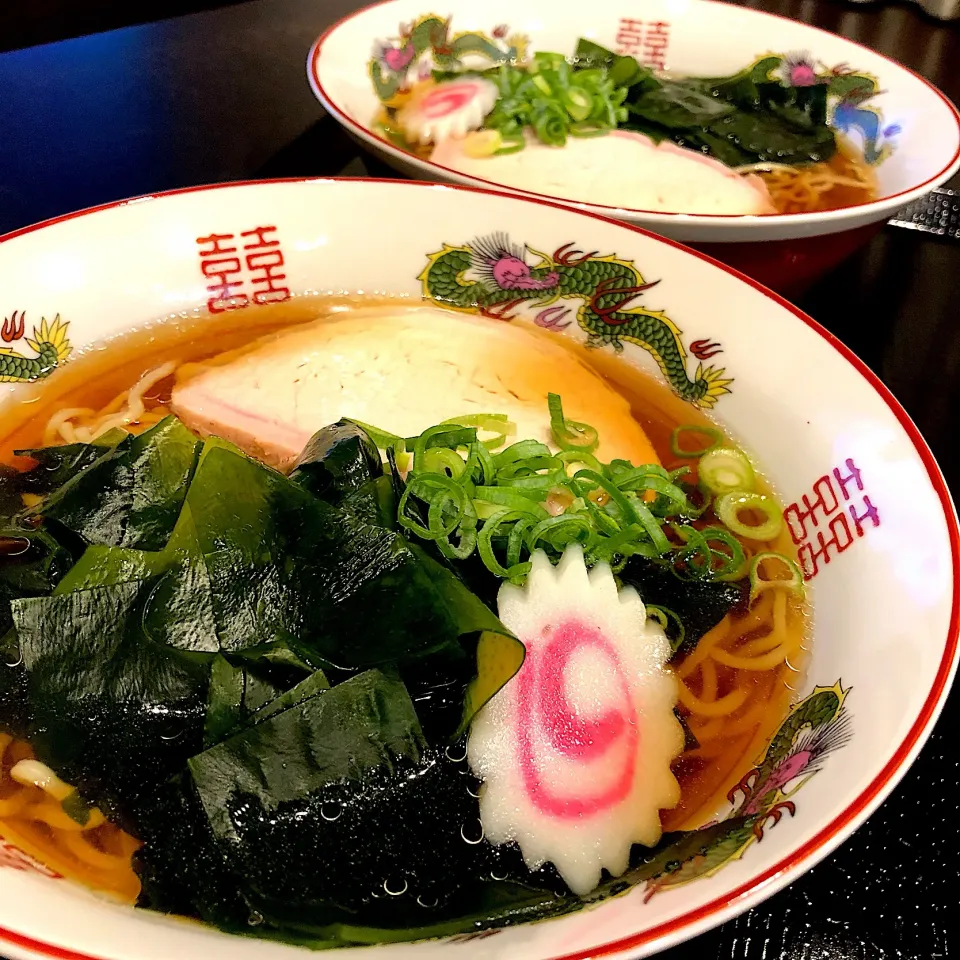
pixel 907 131
pixel 866 506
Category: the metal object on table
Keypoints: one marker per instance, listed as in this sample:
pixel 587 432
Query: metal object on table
pixel 937 213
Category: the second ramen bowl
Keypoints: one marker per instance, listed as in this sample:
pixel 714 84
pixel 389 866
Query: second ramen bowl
pixel 908 131
pixel 865 503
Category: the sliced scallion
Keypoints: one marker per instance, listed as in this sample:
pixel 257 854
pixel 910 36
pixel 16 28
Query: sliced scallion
pixel 381 438
pixel 665 617
pixel 730 506
pixel 726 469
pixel 573 458
pixel 560 531
pixel 570 434
pixel 499 424
pixel 433 488
pixel 714 439
pixel 759 583
pixel 443 460
pixel 728 563
pixel 490 530
pixel 517 500
pixel 521 450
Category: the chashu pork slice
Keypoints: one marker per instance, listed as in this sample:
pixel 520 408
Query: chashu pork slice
pixel 401 369
pixel 621 169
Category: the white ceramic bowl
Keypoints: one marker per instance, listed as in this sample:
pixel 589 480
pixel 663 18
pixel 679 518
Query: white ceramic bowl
pixel 910 126
pixel 885 606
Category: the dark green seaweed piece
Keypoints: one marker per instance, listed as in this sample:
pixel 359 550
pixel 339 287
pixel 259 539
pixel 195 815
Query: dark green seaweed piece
pixel 337 734
pixel 224 701
pixel 624 71
pixel 181 867
pixel 746 118
pixel 131 495
pixel 342 593
pixel 111 711
pixel 31 563
pixel 56 465
pixel 784 125
pixel 299 800
pixel 699 604
pixel 13 685
pixel 337 460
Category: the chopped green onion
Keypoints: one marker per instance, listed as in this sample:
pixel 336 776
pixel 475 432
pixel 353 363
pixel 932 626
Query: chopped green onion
pixel 573 457
pixel 516 542
pixel 649 523
pixel 466 498
pixel 607 524
pixel 443 460
pixel 541 84
pixel 438 491
pixel 467 533
pixel 665 616
pixel 715 437
pixel 732 560
pixel 651 477
pixel 758 583
pixel 516 500
pixel 480 466
pixel 631 509
pixel 529 467
pixel 442 435
pixel 571 528
pixel 510 145
pixel 569 434
pixel 381 438
pixel 694 558
pixel 485 509
pixel 579 104
pixel 522 450
pixel 485 543
pixel 725 470
pixel 618 542
pixel 728 509
pixel 695 510
pixel 588 129
pixel 499 424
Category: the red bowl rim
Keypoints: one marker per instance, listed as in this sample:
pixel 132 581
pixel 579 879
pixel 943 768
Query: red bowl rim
pixel 830 836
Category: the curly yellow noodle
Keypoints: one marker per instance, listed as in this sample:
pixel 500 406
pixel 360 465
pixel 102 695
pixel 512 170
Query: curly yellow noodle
pixel 718 708
pixel 97 853
pixel 708 680
pixel 12 806
pixel 53 815
pixel 710 730
pixel 844 180
pixel 84 850
pixel 703 648
pixel 127 410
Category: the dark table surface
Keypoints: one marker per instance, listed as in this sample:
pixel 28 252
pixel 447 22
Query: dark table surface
pixel 222 95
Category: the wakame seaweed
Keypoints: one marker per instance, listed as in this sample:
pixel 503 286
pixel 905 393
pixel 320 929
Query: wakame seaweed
pixel 337 461
pixel 129 496
pixel 749 117
pixel 221 651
